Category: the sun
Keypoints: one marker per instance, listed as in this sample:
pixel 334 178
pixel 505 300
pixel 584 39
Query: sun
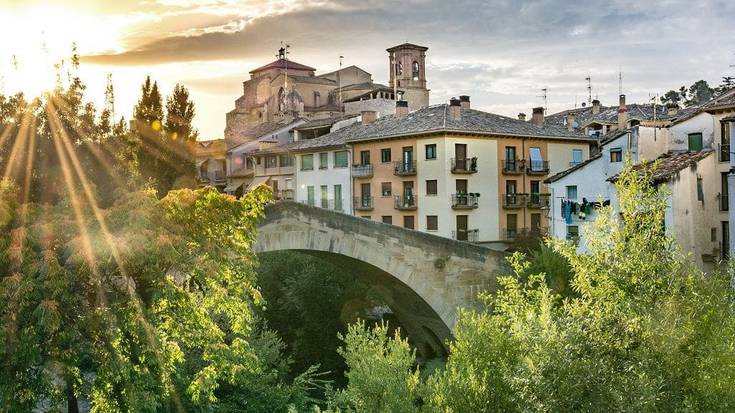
pixel 36 39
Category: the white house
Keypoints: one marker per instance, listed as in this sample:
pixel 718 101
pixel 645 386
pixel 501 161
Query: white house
pixel 323 172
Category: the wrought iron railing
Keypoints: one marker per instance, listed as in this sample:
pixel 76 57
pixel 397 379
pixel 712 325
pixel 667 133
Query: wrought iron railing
pixel 465 201
pixel 362 203
pixel 514 200
pixel 514 166
pixel 469 235
pixel 405 202
pixel 362 170
pixel 537 200
pixel 464 165
pixel 537 167
pixel 404 168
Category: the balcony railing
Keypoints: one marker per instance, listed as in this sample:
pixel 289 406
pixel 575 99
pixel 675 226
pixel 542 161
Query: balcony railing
pixel 538 232
pixel 724 201
pixel 509 234
pixel 284 195
pixel 465 201
pixel 464 165
pixel 405 202
pixel 404 168
pixel 539 200
pixel 362 203
pixel 469 235
pixel 537 167
pixel 362 170
pixel 514 200
pixel 514 166
pixel 724 150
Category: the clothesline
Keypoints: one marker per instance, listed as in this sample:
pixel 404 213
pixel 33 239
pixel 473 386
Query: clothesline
pixel 581 209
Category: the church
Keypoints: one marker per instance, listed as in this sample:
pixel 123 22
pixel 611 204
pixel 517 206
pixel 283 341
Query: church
pixel 284 90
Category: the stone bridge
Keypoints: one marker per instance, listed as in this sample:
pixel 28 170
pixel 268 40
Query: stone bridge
pixel 424 278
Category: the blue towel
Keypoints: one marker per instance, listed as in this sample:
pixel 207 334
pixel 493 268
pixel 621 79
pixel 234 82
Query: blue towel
pixel 568 212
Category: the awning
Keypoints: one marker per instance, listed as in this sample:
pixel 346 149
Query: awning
pixel 233 186
pixel 257 181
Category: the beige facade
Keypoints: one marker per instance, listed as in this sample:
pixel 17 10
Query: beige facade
pixel 384 181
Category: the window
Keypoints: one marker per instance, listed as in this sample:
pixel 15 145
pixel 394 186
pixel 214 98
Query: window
pixel 307 162
pixel 725 132
pixel 364 157
pixel 387 219
pixel 257 160
pixel 616 155
pixel 431 151
pixel 700 190
pixel 537 162
pixel 415 70
pixel 285 160
pixel 385 155
pixel 317 99
pixel 323 160
pixel 271 161
pixel 576 156
pixel 535 221
pixel 325 196
pixel 408 222
pixel 713 234
pixel 510 158
pixel 535 187
pixel 432 223
pixel 572 233
pixel 338 197
pixel 385 189
pixel 512 223
pixel 431 187
pixel 695 142
pixel 289 183
pixel 310 195
pixel 341 159
pixel 572 192
pixel 248 162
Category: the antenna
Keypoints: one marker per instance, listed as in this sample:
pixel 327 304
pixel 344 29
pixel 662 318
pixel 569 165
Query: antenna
pixel 543 96
pixel 589 89
pixel 620 82
pixel 339 78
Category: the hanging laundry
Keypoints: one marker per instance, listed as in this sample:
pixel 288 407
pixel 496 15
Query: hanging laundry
pixel 568 212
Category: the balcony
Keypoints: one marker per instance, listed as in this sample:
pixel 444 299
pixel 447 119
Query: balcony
pixel 465 201
pixel 405 203
pixel 362 170
pixel 514 201
pixel 469 235
pixel 464 165
pixel 538 232
pixel 363 203
pixel 404 168
pixel 539 201
pixel 284 195
pixel 509 234
pixel 724 152
pixel 537 167
pixel 723 200
pixel 514 166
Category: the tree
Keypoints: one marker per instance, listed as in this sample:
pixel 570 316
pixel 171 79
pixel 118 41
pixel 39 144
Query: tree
pixel 699 92
pixel 645 330
pixel 671 97
pixel 381 376
pixel 148 111
pixel 179 115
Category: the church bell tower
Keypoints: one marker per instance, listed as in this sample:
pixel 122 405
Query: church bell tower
pixel 408 73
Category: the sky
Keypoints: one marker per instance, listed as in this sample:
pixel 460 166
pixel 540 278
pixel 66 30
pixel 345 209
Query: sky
pixel 500 52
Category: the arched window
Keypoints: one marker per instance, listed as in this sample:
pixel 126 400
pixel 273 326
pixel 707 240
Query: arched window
pixel 415 67
pixel 399 68
pixel 282 100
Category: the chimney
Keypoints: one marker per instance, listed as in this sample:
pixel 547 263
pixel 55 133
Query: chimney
pixel 368 117
pixel 401 108
pixel 522 116
pixel 538 116
pixel 455 109
pixel 671 109
pixel 595 107
pixel 622 114
pixel 464 101
pixel 570 122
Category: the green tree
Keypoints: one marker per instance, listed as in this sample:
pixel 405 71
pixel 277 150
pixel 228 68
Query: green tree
pixel 179 115
pixel 381 376
pixel 644 331
pixel 699 92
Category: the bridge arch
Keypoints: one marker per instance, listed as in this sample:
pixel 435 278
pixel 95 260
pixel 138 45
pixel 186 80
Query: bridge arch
pixel 444 274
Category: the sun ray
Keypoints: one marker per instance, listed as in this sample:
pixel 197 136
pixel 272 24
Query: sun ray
pixel 91 200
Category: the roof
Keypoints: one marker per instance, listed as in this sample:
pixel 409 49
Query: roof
pixel 635 111
pixel 330 140
pixel 209 148
pixel 311 79
pixel 260 130
pixel 581 115
pixel 667 165
pixel 611 136
pixel 568 171
pixel 283 64
pixel 724 101
pixel 436 118
pixel 728 119
pixel 325 122
pixel 407 46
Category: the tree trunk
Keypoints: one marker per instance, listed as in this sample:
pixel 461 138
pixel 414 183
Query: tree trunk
pixel 72 404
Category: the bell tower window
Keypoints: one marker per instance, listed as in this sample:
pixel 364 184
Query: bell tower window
pixel 415 67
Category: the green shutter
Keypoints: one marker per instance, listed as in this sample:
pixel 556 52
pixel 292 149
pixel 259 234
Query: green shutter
pixel 695 142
